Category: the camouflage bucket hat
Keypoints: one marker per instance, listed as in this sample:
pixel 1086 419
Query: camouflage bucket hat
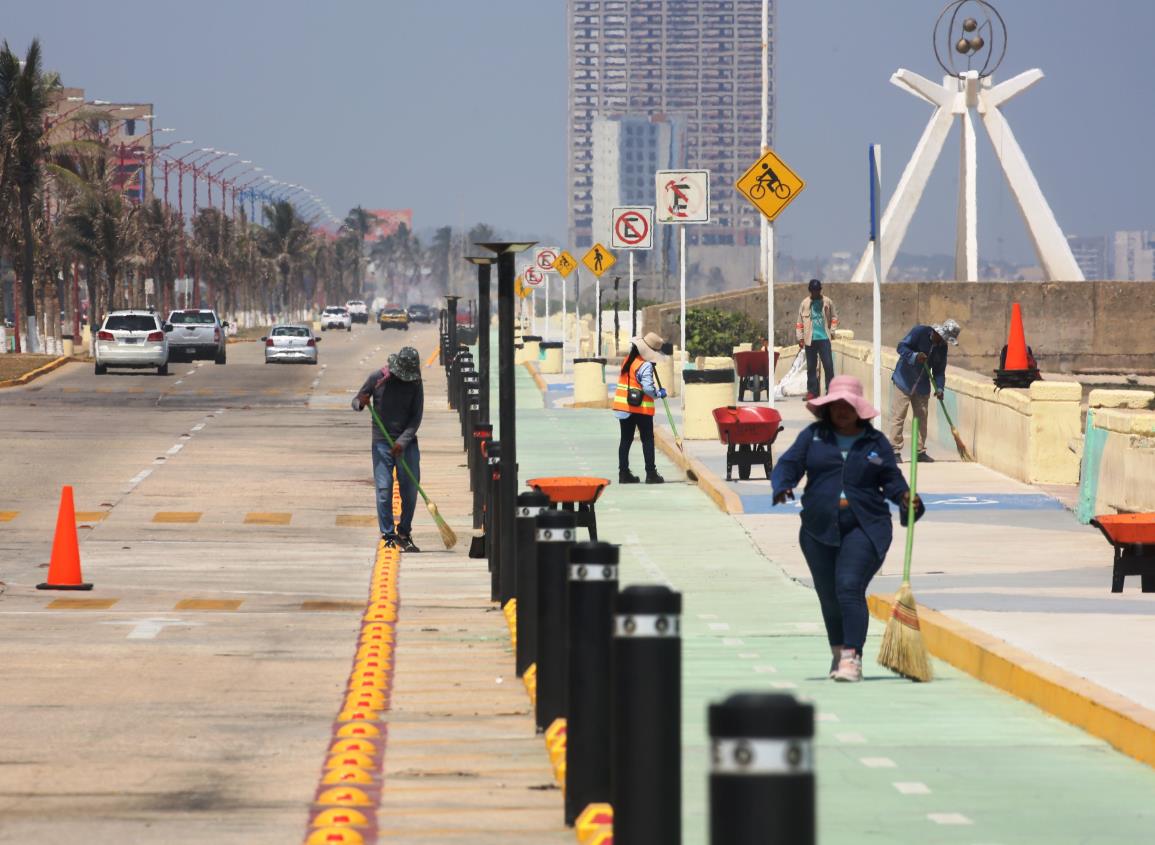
pixel 405 364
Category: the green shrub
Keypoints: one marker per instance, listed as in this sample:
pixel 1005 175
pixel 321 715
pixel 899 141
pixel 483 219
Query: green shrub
pixel 713 332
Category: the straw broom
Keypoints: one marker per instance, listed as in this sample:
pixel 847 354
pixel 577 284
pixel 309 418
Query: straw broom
pixel 958 441
pixel 448 537
pixel 903 650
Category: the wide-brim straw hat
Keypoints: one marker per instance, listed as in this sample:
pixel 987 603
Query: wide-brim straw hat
pixel 649 347
pixel 845 389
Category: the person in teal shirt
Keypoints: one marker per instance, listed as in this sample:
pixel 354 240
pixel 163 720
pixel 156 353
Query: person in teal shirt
pixel 817 320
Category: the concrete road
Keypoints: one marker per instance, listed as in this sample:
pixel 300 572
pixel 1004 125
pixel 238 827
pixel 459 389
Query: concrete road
pixel 227 521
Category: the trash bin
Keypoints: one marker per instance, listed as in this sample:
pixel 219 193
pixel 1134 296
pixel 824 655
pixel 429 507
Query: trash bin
pixel 705 390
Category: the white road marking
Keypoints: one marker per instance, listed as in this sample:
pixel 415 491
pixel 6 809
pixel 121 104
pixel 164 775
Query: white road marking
pixel 648 563
pixel 825 717
pixel 175 449
pixel 707 616
pixel 851 738
pixel 949 818
pixel 749 655
pixel 783 685
pixel 198 426
pixel 878 763
pixel 719 626
pixel 147 629
pixel 806 626
pixel 912 788
pixel 139 477
pixel 178 381
pixel 733 641
pixel 765 670
pixel 190 372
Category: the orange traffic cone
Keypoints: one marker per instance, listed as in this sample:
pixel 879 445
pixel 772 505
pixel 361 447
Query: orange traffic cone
pixel 1015 368
pixel 64 569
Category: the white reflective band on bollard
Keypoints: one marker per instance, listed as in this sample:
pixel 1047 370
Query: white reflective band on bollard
pixel 555 535
pixel 761 757
pixel 530 511
pixel 593 572
pixel 647 625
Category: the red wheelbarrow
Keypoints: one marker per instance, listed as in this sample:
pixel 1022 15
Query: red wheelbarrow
pixel 1133 536
pixel 748 434
pixel 753 371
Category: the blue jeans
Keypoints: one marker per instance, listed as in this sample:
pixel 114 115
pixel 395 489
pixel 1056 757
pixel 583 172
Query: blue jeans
pixel 841 575
pixel 383 462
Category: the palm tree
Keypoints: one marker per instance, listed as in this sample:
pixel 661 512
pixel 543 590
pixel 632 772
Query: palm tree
pixel 25 98
pixel 101 226
pixel 284 241
pixel 160 237
pixel 358 223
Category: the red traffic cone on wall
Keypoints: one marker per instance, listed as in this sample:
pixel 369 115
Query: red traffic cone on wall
pixel 1016 368
pixel 64 568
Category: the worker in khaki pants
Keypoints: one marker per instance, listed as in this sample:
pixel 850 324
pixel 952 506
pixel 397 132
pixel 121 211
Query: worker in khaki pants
pixel 923 347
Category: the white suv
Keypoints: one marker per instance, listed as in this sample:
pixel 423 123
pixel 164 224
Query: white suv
pixel 336 317
pixel 131 339
pixel 358 311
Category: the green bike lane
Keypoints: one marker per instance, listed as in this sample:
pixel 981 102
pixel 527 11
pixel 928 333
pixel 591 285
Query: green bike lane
pixel 953 761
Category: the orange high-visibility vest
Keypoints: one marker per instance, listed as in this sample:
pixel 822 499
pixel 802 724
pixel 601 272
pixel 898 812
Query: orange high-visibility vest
pixel 631 380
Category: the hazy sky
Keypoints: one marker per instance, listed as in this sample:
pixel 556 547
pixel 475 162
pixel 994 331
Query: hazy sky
pixel 458 109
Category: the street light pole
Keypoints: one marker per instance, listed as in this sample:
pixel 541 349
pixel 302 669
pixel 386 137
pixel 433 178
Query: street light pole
pixel 507 404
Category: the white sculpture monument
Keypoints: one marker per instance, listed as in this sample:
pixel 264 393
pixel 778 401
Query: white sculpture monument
pixel 970 95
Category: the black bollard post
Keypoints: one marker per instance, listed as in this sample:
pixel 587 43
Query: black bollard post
pixel 646 707
pixel 593 588
pixel 556 532
pixel 443 339
pixel 481 436
pixel 451 324
pixel 470 393
pixel 529 506
pixel 761 775
pixel 492 518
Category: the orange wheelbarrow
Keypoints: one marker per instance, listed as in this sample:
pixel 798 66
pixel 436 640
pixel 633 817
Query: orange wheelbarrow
pixel 574 493
pixel 1133 536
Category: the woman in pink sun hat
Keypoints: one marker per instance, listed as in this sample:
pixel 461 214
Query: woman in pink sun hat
pixel 851 473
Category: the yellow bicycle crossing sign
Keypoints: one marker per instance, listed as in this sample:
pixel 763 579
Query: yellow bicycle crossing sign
pixel 770 185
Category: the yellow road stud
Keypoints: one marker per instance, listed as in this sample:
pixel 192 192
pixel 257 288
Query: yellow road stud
pixel 351 758
pixel 347 774
pixel 356 729
pixel 344 796
pixel 335 836
pixel 340 818
pixel 362 746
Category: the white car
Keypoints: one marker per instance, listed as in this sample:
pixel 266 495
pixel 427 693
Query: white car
pixel 291 343
pixel 133 339
pixel 336 317
pixel 358 310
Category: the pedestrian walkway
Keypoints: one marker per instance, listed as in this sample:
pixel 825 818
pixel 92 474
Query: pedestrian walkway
pixel 951 761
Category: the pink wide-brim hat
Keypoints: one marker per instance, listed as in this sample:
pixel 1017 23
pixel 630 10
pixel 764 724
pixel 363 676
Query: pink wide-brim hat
pixel 845 389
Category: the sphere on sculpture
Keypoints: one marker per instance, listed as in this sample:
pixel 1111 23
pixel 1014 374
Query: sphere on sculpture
pixel 970 35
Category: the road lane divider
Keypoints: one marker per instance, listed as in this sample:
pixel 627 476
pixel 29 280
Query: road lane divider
pixel 346 803
pixel 262 518
pixel 209 604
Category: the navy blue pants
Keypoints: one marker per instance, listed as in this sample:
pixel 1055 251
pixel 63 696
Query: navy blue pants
pixel 383 464
pixel 841 574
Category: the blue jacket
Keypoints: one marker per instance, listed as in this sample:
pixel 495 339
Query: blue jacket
pixel 869 476
pixel 909 375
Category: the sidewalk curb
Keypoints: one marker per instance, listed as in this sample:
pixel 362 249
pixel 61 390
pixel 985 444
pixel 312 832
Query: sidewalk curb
pixel 37 373
pixel 1107 715
pixel 726 499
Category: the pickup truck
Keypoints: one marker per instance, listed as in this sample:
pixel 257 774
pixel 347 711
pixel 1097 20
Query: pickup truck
pixel 196 333
pixel 358 310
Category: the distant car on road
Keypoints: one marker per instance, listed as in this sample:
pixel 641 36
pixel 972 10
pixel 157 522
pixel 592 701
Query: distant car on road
pixel 133 339
pixel 358 311
pixel 291 343
pixel 196 333
pixel 393 318
pixel 420 313
pixel 336 317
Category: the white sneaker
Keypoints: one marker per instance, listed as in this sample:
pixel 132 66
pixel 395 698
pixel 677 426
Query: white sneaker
pixel 849 669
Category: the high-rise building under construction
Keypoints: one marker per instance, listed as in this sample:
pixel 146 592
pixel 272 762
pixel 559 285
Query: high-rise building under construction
pixel 695 65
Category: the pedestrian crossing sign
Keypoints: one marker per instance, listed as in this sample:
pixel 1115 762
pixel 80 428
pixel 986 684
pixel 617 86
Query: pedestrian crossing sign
pixel 599 260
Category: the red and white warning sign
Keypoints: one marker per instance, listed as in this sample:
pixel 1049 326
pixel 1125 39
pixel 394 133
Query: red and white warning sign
pixel 544 258
pixel 632 227
pixel 532 276
pixel 683 196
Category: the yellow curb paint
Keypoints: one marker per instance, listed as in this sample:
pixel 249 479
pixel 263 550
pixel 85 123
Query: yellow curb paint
pixel 726 499
pixel 34 374
pixel 208 604
pixel 347 520
pixel 1100 712
pixel 260 518
pixel 81 604
pixel 593 818
pixel 8 516
pixel 91 516
pixel 317 606
pixel 178 517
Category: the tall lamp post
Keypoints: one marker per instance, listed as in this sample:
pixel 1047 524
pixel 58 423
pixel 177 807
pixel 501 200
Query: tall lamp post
pixel 483 262
pixel 507 408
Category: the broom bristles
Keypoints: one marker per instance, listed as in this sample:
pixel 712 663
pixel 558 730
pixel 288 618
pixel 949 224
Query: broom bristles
pixel 962 447
pixel 903 650
pixel 448 537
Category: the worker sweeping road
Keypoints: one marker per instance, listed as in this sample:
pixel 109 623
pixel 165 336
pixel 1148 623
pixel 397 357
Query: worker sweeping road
pixel 851 473
pixel 398 398
pixel 923 347
pixel 634 406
